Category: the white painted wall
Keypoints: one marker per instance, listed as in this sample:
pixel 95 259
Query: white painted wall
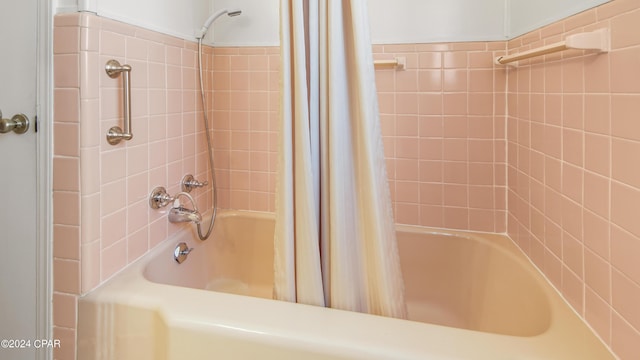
pixel 178 18
pixel 424 21
pixel 397 21
pixel 527 15
pixel 259 24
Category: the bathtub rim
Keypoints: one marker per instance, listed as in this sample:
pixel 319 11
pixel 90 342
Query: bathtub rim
pixel 238 314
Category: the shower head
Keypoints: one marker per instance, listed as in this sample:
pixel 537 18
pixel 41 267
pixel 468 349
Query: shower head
pixel 213 17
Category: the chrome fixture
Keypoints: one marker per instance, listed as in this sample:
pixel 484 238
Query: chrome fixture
pixel 181 214
pixel 19 124
pixel 159 198
pixel 189 183
pixel 181 251
pixel 213 17
pixel 205 119
pixel 116 134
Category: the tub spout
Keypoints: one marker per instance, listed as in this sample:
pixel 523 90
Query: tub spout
pixel 181 214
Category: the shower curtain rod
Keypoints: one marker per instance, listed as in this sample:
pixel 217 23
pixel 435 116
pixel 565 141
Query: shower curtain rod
pixel 595 40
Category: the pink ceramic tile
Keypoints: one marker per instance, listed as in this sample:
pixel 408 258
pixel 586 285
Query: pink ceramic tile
pixel 625 75
pixel 553 269
pixel 66 174
pixel 430 104
pixel 596 194
pixel 598 315
pixel 455 218
pixel 455 80
pixel 407 103
pixel 408 148
pixel 597 156
pixel 597 68
pixel 64 310
pixel 407 213
pixel 66 208
pixel 66 71
pixel 572 182
pixel 624 250
pixel 625 297
pixel 137 244
pixel 624 200
pixel 66 276
pixel 455 172
pixel 407 169
pixel 66 242
pixel 67 105
pixel 113 259
pixel 573 289
pixel 623 30
pixel 113 197
pixel 597 275
pixel 624 338
pixel 623 116
pixel 596 234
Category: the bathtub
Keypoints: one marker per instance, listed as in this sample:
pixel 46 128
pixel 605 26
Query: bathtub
pixel 469 296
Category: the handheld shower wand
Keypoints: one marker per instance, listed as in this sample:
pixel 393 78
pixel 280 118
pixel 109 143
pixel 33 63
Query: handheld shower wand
pixel 205 118
pixel 213 17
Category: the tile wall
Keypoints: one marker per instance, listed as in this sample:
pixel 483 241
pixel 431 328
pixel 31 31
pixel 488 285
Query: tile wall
pixel 573 179
pixel 444 134
pixel 102 220
pixel 246 94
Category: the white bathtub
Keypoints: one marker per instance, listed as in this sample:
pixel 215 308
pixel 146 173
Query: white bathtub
pixel 470 296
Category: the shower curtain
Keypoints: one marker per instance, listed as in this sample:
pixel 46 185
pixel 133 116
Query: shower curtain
pixel 335 239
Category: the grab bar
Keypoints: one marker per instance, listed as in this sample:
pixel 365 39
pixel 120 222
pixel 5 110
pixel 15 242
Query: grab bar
pixel 116 134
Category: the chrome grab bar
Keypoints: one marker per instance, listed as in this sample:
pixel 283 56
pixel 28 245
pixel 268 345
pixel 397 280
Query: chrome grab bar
pixel 116 134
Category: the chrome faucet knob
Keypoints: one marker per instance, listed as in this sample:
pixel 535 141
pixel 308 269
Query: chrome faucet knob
pixel 159 198
pixel 180 252
pixel 189 183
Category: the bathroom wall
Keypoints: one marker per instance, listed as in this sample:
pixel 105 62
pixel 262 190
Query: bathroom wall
pixel 397 22
pixel 574 188
pixel 524 15
pixel 426 21
pixel 245 125
pixel 442 120
pixel 411 21
pixel 444 144
pixel 102 220
pixel 443 130
pixel 177 18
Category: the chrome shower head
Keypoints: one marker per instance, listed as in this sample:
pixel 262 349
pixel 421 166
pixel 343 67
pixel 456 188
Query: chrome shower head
pixel 213 17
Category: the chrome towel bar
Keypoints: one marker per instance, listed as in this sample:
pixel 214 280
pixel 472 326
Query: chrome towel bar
pixel 116 134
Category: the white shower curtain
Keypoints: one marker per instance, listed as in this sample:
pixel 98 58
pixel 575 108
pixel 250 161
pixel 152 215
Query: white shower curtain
pixel 335 241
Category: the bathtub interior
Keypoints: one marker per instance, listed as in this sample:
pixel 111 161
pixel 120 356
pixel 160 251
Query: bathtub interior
pixel 470 282
pixel 237 259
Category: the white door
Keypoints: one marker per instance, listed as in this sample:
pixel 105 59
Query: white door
pixel 18 168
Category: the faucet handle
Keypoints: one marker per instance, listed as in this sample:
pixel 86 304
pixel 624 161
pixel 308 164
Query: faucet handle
pixel 180 252
pixel 159 198
pixel 189 183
